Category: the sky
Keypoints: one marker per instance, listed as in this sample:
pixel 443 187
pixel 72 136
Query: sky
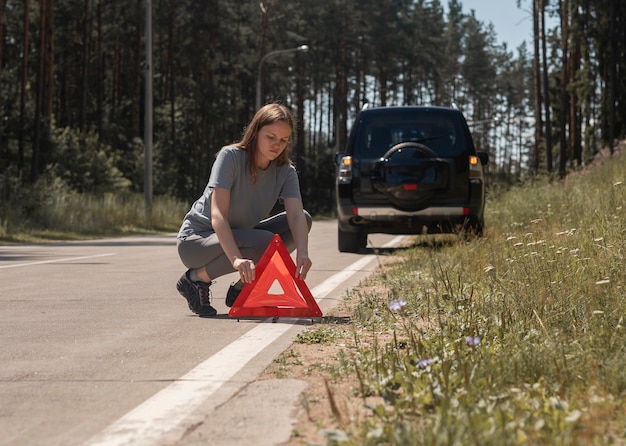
pixel 511 24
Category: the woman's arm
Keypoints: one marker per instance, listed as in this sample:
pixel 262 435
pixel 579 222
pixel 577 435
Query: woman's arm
pixel 220 205
pixel 300 230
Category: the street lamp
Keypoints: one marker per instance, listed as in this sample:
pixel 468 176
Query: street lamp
pixel 147 132
pixel 302 48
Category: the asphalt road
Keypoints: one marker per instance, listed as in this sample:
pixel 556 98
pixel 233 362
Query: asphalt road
pixel 97 346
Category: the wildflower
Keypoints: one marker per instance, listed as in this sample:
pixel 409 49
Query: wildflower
pixel 423 363
pixel 472 340
pixel 489 268
pixel 396 305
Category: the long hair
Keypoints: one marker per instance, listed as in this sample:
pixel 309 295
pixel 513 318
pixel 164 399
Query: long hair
pixel 268 114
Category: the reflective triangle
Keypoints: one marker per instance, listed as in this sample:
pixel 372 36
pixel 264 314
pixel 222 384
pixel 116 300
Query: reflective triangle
pixel 275 291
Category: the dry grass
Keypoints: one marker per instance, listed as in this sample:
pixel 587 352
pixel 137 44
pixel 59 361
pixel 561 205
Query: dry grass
pixel 516 338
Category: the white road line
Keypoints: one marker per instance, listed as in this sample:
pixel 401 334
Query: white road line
pixel 149 421
pixel 71 259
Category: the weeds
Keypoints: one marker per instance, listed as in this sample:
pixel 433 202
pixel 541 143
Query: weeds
pixel 318 335
pixel 70 215
pixel 515 338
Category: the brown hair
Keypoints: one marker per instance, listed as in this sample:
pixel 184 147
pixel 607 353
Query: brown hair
pixel 268 114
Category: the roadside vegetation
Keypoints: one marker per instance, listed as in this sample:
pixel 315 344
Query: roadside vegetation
pixel 51 211
pixel 514 338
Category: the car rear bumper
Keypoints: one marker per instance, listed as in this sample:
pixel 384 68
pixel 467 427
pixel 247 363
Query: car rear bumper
pixel 381 217
pixel 389 213
pixel 389 220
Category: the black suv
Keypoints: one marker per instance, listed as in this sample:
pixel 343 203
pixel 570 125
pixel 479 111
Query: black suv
pixel 409 170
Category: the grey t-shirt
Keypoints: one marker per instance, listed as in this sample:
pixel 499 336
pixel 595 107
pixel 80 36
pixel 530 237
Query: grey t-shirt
pixel 250 202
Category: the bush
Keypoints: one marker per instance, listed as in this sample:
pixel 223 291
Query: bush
pixel 85 163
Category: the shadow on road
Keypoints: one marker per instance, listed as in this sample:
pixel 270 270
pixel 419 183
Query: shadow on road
pixel 426 242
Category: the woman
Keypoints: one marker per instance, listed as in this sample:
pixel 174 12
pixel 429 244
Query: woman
pixel 226 229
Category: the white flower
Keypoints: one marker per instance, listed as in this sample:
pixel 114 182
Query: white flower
pixel 396 305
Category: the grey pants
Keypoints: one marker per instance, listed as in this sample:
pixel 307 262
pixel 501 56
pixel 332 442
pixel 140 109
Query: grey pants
pixel 197 251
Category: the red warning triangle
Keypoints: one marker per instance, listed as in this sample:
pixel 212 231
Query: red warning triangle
pixel 275 291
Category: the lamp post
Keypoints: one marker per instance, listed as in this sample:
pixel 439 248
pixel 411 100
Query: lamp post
pixel 147 132
pixel 302 48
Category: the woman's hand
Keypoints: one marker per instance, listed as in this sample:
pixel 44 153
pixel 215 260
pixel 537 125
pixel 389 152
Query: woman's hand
pixel 303 265
pixel 246 268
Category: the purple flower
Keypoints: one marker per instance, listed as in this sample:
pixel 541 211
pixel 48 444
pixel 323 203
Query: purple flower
pixel 396 305
pixel 472 340
pixel 423 363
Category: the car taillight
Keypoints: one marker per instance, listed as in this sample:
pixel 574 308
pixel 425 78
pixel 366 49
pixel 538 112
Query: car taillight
pixel 475 167
pixel 345 168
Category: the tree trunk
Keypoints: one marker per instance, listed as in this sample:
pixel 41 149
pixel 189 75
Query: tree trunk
pixel 23 84
pixel 563 142
pixel 265 9
pixel 2 35
pixel 41 82
pixel 574 107
pixel 49 95
pixel 612 75
pixel 382 79
pixel 537 87
pixel 82 114
pixel 301 158
pixel 100 69
pixel 171 70
pixel 139 60
pixel 546 86
pixel 342 96
pixel 3 146
pixel 116 68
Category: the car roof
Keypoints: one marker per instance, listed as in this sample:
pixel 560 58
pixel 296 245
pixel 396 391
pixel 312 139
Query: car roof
pixel 395 108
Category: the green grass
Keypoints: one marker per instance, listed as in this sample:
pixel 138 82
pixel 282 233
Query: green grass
pixel 515 338
pixel 73 216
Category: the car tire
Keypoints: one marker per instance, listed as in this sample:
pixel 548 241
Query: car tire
pixel 351 241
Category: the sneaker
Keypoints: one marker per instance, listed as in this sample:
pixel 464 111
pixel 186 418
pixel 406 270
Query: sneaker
pixel 232 294
pixel 198 295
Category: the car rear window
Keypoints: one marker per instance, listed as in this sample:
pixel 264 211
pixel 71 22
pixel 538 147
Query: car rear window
pixel 440 130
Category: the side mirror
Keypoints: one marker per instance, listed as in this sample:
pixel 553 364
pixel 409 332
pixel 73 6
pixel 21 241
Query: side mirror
pixel 483 157
pixel 338 157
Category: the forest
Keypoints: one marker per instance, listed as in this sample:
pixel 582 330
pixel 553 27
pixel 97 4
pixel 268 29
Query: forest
pixel 73 77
